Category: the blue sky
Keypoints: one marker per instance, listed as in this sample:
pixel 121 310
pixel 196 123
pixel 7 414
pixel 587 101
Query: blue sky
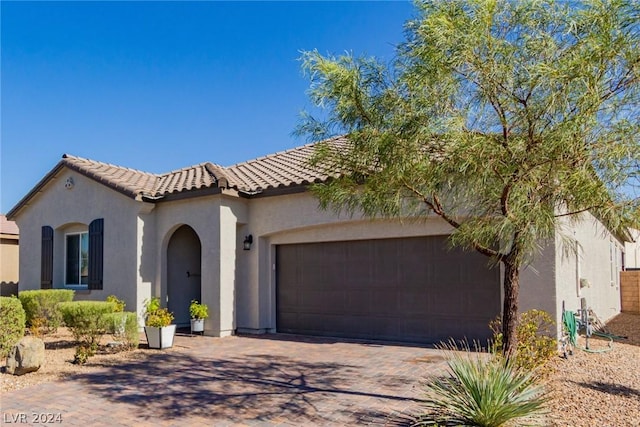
pixel 157 86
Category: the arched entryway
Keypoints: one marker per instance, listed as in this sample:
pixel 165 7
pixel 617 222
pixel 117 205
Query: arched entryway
pixel 183 272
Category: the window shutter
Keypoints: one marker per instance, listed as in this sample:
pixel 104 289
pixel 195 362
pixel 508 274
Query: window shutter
pixel 96 243
pixel 46 260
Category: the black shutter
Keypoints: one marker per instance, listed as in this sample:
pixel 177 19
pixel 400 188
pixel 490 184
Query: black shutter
pixel 46 258
pixel 96 243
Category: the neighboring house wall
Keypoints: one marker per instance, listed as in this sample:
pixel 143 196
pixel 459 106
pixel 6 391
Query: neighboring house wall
pixel 67 210
pixel 9 258
pixel 632 251
pixel 9 252
pixel 590 270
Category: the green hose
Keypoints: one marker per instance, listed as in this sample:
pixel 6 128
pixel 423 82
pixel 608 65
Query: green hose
pixel 570 325
pixel 569 321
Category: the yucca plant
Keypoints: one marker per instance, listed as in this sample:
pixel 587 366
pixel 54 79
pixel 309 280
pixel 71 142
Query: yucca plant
pixel 482 390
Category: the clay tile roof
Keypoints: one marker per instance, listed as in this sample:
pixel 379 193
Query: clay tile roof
pixel 134 182
pixel 129 181
pixel 281 169
pixel 8 227
pixel 189 178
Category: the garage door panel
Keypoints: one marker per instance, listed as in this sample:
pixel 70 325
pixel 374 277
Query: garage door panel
pixel 328 301
pixel 412 289
pixel 359 301
pixel 413 303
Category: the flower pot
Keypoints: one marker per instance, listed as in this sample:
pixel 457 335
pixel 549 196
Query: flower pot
pixel 161 337
pixel 197 325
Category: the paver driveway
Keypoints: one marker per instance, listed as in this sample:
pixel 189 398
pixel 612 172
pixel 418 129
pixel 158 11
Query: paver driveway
pixel 266 380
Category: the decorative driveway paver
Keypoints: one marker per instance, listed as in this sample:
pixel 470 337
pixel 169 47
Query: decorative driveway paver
pixel 263 380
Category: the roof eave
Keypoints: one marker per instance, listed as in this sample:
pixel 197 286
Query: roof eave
pixel 11 215
pixel 35 190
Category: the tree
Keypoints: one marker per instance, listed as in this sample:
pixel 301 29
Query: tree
pixel 504 118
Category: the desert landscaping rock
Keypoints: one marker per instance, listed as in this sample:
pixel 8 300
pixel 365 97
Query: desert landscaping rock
pixel 26 356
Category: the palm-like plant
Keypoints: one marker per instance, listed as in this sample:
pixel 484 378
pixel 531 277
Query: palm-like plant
pixel 482 390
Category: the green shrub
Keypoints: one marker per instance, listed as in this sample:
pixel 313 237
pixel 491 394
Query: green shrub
pixel 82 355
pixel 482 390
pixel 119 304
pixel 155 315
pixel 198 310
pixel 536 346
pixel 87 320
pixel 12 322
pixel 40 307
pixel 124 327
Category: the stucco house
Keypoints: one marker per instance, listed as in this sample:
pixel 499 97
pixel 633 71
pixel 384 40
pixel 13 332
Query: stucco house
pixel 250 241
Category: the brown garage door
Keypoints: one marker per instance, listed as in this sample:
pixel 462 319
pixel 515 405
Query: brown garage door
pixel 410 289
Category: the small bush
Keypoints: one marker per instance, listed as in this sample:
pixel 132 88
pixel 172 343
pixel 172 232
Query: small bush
pixel 82 355
pixel 87 321
pixel 155 315
pixel 124 327
pixel 481 390
pixel 536 346
pixel 198 310
pixel 12 322
pixel 119 304
pixel 41 310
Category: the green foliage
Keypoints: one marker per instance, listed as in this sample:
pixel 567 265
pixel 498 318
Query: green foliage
pixel 198 310
pixel 124 327
pixel 509 120
pixel 12 324
pixel 41 309
pixel 481 390
pixel 155 315
pixel 118 303
pixel 536 345
pixel 82 354
pixel 87 320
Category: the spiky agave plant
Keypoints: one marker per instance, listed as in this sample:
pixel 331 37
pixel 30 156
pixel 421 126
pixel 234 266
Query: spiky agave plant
pixel 482 390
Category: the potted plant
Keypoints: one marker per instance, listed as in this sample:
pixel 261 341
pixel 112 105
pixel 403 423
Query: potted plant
pixel 157 324
pixel 198 313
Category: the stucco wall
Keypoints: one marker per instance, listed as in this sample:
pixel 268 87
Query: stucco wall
pixel 215 220
pixel 598 261
pixel 73 209
pixel 537 282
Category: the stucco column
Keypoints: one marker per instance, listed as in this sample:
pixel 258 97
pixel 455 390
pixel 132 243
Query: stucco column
pixel 227 270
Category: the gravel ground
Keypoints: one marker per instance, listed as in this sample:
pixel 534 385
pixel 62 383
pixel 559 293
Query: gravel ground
pixel 59 352
pixel 588 389
pixel 600 389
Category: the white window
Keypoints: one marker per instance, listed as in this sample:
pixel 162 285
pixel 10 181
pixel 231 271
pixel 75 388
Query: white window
pixel 77 259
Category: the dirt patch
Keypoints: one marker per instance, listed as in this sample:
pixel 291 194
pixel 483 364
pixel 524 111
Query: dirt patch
pixel 59 352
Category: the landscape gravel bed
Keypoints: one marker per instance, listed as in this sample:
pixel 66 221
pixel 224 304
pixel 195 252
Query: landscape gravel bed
pixel 600 388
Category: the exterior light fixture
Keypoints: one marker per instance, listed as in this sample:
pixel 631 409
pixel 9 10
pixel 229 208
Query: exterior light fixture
pixel 248 240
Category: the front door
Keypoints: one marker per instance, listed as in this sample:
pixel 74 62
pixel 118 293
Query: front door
pixel 183 272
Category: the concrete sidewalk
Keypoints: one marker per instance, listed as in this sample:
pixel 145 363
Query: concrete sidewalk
pixel 262 380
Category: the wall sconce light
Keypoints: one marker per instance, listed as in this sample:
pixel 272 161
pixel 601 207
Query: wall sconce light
pixel 248 240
